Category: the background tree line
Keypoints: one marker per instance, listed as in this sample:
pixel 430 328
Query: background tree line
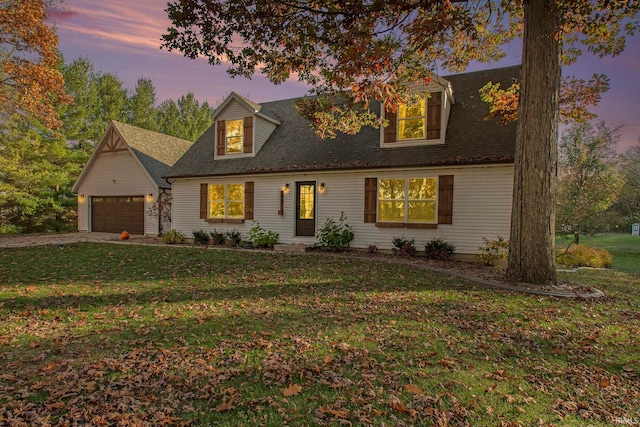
pixel 598 188
pixel 38 165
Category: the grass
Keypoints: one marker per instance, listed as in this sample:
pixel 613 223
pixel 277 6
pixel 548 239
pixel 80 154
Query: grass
pixel 625 248
pixel 105 334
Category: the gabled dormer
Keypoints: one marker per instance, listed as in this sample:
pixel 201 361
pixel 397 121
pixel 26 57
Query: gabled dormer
pixel 242 127
pixel 423 123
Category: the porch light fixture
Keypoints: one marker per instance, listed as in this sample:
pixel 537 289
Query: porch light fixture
pixel 322 188
pixel 149 197
pixel 285 188
pixel 81 198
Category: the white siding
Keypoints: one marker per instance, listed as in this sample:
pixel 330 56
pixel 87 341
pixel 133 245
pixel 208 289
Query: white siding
pixel 481 206
pixel 116 174
pixel 262 129
pixel 234 111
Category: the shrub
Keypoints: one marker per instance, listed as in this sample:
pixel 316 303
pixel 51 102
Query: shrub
pixel 372 249
pixel 201 237
pixel 492 251
pixel 439 249
pixel 217 237
pixel 232 238
pixel 403 246
pixel 262 238
pixel 172 237
pixel 335 235
pixel 10 229
pixel 585 256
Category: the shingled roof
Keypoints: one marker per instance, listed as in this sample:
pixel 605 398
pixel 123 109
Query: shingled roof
pixel 156 152
pixel 293 146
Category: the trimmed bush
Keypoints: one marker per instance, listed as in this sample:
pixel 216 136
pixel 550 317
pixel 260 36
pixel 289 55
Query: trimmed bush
pixel 172 237
pixel 261 238
pixel 217 237
pixel 585 256
pixel 403 246
pixel 232 238
pixel 201 237
pixel 439 249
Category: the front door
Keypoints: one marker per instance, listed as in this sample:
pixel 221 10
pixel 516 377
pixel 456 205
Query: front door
pixel 306 208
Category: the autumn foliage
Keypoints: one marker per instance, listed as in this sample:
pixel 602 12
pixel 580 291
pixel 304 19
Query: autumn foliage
pixel 30 82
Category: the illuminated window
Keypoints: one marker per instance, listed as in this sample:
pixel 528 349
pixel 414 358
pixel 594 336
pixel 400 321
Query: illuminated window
pixel 307 194
pixel 407 200
pixel 233 133
pixel 412 121
pixel 226 201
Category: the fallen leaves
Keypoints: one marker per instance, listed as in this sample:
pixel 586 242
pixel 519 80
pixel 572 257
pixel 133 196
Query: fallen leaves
pixel 329 342
pixel 292 390
pixel 413 389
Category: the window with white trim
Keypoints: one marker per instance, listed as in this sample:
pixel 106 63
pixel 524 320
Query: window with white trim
pixel 412 121
pixel 407 200
pixel 225 201
pixel 234 136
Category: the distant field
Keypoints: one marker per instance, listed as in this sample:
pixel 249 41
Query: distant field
pixel 625 248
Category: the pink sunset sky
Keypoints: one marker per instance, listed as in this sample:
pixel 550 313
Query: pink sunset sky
pixel 123 37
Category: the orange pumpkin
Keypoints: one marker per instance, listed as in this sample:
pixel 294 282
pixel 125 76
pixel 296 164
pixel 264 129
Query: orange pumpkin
pixel 124 235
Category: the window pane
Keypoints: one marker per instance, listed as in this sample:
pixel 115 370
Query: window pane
pixel 235 192
pixel 422 188
pixel 391 189
pixel 235 210
pixel 391 211
pixel 234 144
pixel 411 129
pixel 307 193
pixel 413 110
pixel 216 192
pixel 216 210
pixel 234 128
pixel 422 211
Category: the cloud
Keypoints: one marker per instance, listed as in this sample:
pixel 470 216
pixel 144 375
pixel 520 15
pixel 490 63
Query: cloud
pixel 55 14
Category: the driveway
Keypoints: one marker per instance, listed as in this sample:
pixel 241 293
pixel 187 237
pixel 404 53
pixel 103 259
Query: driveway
pixel 23 240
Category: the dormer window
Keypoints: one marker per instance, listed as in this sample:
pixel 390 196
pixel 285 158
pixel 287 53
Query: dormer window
pixel 233 135
pixel 418 123
pixel 411 121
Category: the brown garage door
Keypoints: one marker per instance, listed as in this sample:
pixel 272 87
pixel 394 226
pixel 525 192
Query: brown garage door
pixel 114 214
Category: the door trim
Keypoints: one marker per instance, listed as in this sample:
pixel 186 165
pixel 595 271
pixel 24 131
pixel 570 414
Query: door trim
pixel 305 227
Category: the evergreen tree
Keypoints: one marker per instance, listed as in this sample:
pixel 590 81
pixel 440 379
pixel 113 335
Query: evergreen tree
pixel 141 108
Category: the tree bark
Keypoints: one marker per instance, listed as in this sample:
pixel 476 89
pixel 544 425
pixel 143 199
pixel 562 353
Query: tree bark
pixel 532 240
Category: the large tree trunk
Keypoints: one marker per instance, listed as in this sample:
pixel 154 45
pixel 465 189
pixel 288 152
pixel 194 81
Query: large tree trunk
pixel 532 241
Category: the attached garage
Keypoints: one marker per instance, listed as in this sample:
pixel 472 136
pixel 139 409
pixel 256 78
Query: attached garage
pixel 121 186
pixel 115 214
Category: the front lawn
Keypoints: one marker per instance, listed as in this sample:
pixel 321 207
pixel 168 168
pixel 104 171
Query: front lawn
pixel 117 334
pixel 625 248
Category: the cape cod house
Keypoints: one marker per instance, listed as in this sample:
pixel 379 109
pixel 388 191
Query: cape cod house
pixel 121 185
pixel 440 169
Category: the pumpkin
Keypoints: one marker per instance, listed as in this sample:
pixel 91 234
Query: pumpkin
pixel 124 235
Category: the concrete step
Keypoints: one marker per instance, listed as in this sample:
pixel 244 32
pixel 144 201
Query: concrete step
pixel 291 248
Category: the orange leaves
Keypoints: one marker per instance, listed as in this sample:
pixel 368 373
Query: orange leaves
pixel 32 83
pixel 575 96
pixel 413 389
pixel 226 404
pixel 292 390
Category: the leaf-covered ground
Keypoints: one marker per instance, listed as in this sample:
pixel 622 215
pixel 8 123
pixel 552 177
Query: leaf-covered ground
pixel 124 335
